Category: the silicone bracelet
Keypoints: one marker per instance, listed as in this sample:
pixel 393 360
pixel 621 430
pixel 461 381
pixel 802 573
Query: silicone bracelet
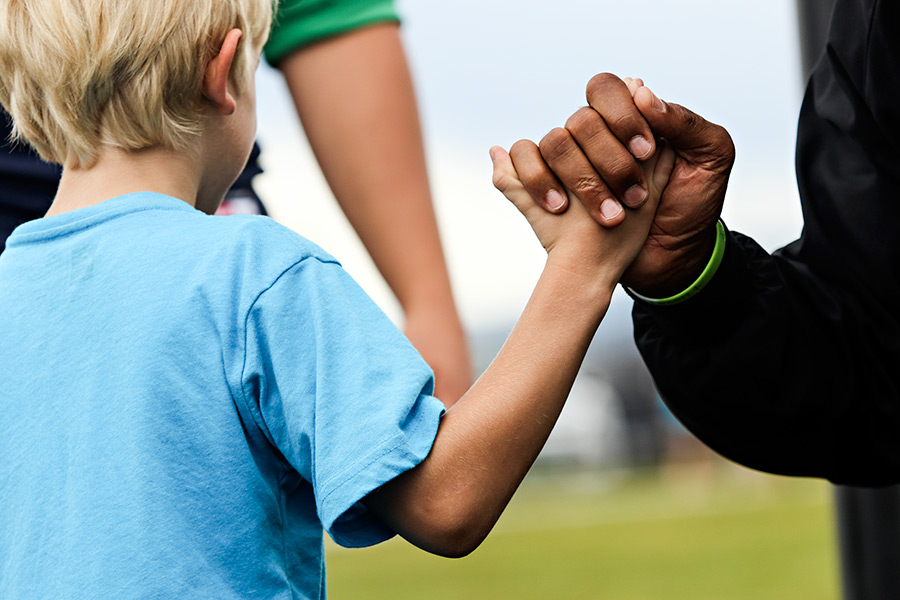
pixel 705 277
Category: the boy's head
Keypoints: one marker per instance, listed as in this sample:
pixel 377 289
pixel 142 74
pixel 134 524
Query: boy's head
pixel 78 74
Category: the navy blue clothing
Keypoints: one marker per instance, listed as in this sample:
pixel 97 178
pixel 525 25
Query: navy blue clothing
pixel 27 184
pixel 18 159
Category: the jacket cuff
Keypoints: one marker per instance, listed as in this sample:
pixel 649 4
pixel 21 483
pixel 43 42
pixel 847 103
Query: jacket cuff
pixel 701 282
pixel 725 291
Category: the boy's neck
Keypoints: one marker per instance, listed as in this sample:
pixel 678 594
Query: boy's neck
pixel 117 172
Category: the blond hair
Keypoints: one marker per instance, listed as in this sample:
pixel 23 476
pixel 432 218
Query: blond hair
pixel 78 74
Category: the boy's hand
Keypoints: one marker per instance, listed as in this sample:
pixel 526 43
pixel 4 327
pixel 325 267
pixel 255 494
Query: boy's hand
pixel 597 156
pixel 574 240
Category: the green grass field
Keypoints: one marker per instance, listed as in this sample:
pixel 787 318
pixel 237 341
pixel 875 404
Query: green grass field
pixel 718 533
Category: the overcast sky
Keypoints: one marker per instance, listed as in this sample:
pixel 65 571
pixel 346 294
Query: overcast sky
pixel 493 71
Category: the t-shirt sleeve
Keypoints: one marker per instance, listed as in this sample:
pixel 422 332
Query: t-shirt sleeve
pixel 339 390
pixel 302 22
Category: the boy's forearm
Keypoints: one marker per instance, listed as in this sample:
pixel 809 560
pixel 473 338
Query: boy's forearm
pixel 487 442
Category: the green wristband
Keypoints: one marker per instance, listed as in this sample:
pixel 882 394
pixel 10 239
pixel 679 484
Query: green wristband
pixel 705 277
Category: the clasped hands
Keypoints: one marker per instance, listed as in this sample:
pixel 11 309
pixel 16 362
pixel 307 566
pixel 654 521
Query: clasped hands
pixel 601 157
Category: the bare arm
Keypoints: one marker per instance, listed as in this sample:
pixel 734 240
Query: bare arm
pixel 355 98
pixel 487 442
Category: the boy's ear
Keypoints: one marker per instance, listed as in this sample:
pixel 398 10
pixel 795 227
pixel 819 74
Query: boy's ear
pixel 215 80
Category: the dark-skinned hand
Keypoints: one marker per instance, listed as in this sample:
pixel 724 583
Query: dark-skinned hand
pixel 595 156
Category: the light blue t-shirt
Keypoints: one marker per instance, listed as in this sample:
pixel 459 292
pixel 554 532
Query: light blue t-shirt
pixel 186 401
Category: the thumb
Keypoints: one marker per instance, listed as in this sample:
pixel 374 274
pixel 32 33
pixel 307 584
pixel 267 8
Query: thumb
pixel 687 131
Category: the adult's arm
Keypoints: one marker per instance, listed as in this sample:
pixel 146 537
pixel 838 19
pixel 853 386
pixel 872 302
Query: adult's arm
pixel 789 363
pixel 785 363
pixel 355 98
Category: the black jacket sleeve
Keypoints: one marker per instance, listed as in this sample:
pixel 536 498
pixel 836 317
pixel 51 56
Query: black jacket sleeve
pixel 790 363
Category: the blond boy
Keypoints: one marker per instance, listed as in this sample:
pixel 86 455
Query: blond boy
pixel 187 400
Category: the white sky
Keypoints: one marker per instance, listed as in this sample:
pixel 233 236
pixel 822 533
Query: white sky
pixel 493 71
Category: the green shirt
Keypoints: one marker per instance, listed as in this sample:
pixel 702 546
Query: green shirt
pixel 302 22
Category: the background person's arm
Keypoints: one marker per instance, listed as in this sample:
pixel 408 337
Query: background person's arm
pixel 355 98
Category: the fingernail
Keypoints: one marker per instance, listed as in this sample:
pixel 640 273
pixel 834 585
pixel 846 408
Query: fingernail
pixel 555 200
pixel 656 103
pixel 639 146
pixel 635 196
pixel 610 209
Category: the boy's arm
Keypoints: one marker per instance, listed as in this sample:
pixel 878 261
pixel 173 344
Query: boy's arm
pixel 487 441
pixel 355 98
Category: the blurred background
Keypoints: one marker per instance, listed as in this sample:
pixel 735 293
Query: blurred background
pixel 623 504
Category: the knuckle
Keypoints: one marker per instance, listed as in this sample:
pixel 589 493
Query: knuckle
pixel 533 180
pixel 692 121
pixel 723 149
pixel 585 119
pixel 624 122
pixel 529 166
pixel 588 188
pixel 501 181
pixel 600 82
pixel 520 148
pixel 618 168
pixel 622 169
pixel 555 143
pixel 726 143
